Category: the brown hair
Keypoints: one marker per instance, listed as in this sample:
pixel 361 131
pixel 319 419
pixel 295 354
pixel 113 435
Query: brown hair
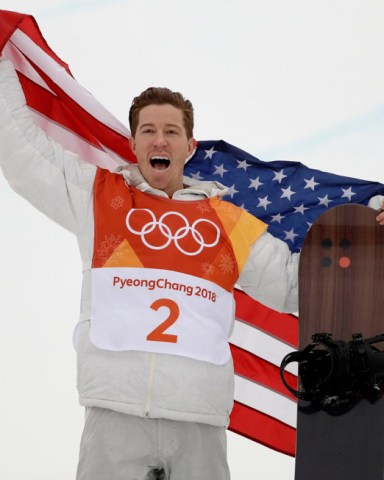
pixel 161 96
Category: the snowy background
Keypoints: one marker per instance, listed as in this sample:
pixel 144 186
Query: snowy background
pixel 282 79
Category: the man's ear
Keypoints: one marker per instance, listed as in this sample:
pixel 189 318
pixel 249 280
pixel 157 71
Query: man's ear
pixel 132 144
pixel 192 144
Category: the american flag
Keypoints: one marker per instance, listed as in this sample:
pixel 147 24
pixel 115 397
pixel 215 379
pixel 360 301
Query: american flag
pixel 286 195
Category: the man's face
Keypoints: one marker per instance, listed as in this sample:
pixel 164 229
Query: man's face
pixel 161 147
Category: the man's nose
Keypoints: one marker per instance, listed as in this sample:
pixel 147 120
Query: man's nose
pixel 160 140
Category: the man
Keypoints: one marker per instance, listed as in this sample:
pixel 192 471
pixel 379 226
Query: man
pixel 161 255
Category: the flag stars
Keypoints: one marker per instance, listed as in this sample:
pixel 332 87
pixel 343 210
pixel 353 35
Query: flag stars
pixel 196 176
pixel 311 183
pixel 255 183
pixel 279 176
pixel 347 193
pixel 277 218
pixel 220 170
pixel 209 153
pixel 324 201
pixel 263 202
pixel 243 164
pixel 290 235
pixel 232 190
pixel 287 193
pixel 300 209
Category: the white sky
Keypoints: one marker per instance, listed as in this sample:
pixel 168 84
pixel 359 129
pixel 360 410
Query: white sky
pixel 296 80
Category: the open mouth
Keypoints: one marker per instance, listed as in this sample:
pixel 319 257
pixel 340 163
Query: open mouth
pixel 160 163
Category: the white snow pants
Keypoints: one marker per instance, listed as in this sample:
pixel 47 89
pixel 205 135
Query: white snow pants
pixel 116 446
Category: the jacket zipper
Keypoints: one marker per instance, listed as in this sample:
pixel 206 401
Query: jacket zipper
pixel 151 378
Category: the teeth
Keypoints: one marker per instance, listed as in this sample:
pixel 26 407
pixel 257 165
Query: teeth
pixel 159 158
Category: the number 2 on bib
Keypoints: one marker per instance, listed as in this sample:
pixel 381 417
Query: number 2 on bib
pixel 158 334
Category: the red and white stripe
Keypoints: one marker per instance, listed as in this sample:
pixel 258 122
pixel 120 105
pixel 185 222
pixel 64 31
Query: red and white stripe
pixel 264 411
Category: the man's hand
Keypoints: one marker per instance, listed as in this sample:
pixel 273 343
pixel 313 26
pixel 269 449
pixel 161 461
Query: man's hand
pixel 377 203
pixel 380 216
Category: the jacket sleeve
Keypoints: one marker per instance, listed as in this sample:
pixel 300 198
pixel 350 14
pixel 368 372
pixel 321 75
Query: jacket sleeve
pixel 270 274
pixel 376 202
pixel 52 179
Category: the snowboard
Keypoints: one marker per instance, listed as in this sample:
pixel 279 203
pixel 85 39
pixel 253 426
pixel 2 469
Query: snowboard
pixel 340 425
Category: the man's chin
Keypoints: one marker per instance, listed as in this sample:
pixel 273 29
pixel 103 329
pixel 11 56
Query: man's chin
pixel 160 182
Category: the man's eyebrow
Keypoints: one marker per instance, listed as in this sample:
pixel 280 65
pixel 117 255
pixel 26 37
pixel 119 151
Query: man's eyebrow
pixel 175 126
pixel 149 124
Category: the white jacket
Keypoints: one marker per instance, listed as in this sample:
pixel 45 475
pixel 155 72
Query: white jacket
pixel 60 184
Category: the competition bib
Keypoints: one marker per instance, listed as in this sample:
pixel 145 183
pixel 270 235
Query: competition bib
pixel 163 271
pixel 160 311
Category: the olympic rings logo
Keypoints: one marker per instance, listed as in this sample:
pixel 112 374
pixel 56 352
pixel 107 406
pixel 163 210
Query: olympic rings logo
pixel 166 231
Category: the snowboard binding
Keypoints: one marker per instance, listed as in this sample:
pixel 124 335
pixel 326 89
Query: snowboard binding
pixel 335 375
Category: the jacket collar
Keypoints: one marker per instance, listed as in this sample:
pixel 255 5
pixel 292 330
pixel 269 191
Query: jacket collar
pixel 192 188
